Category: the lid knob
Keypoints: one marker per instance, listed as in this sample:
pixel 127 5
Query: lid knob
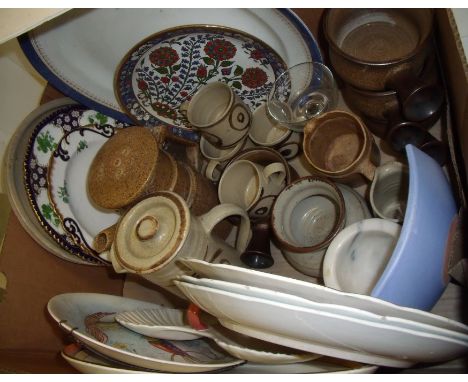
pixel 147 228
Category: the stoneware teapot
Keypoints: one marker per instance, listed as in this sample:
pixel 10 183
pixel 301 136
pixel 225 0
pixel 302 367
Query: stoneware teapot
pixel 160 230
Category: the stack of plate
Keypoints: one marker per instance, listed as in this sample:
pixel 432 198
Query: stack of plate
pixel 45 177
pixel 106 346
pixel 321 320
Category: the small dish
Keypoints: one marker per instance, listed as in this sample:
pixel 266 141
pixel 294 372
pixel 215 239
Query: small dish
pixel 358 255
pixel 169 324
pixel 164 323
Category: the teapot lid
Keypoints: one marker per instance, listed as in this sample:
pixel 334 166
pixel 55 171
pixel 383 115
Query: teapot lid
pixel 123 167
pixel 151 233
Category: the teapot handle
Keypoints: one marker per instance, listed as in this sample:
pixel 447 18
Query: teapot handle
pixel 222 211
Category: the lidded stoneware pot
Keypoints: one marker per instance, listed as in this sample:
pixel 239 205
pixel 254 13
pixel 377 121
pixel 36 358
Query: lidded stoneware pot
pixel 160 230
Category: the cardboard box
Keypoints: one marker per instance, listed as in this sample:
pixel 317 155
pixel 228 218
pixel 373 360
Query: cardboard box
pixel 31 342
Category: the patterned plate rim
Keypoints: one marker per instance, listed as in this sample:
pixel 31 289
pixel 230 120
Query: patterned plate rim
pixel 185 132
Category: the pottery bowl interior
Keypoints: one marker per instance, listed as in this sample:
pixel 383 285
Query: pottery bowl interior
pixel 335 144
pixel 378 36
pixel 358 255
pixel 308 214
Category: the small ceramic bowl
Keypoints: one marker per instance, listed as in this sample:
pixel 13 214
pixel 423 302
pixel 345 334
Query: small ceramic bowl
pixel 358 255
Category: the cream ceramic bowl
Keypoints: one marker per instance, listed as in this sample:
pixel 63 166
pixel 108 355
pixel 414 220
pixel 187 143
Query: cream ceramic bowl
pixel 358 255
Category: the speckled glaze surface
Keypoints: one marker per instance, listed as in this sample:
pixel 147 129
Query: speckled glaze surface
pixel 125 167
pixel 358 255
pixel 367 47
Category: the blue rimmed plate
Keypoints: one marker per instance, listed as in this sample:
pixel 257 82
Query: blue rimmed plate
pixel 80 52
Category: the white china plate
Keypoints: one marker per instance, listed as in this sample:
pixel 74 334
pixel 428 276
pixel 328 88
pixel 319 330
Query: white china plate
pixel 346 311
pixel 67 179
pixel 318 293
pixel 13 182
pixel 89 363
pixel 79 52
pixel 90 318
pixel 167 324
pixel 325 333
pixel 170 324
pixel 45 134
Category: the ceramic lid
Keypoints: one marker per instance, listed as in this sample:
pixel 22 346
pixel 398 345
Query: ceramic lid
pixel 151 233
pixel 123 167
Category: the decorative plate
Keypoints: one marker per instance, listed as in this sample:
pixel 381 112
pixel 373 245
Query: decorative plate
pixel 161 73
pixel 43 141
pixel 79 52
pixel 90 318
pixel 88 362
pixel 67 179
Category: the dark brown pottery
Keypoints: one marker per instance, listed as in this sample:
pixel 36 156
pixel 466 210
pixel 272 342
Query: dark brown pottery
pixel 369 47
pixel 258 255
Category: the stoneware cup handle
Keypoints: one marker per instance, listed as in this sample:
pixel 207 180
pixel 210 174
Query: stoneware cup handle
pixel 275 168
pixel 367 168
pixel 210 170
pixel 222 211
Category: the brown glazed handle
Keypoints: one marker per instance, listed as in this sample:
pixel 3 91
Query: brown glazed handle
pixel 367 168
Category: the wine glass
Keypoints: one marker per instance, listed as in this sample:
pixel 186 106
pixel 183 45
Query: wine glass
pixel 301 93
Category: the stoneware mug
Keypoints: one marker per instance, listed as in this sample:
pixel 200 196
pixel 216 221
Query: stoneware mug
pixel 269 133
pixel 294 249
pixel 244 183
pixel 160 230
pixel 217 158
pixel 305 217
pixel 219 114
pixel 389 191
pixel 338 145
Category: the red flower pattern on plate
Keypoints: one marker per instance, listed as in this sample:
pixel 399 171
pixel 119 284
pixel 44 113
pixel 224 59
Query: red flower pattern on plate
pixel 220 49
pixel 254 78
pixel 164 56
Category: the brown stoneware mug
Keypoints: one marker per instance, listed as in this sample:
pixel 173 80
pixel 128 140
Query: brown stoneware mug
pixel 338 145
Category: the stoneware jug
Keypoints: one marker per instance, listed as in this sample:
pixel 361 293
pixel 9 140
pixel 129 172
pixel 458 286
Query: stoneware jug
pixel 160 230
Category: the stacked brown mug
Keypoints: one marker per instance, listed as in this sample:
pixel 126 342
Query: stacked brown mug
pixel 385 59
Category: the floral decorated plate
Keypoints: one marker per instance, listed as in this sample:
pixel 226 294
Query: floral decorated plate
pixel 67 179
pixel 80 52
pixel 15 187
pixel 158 75
pixel 44 137
pixel 90 318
